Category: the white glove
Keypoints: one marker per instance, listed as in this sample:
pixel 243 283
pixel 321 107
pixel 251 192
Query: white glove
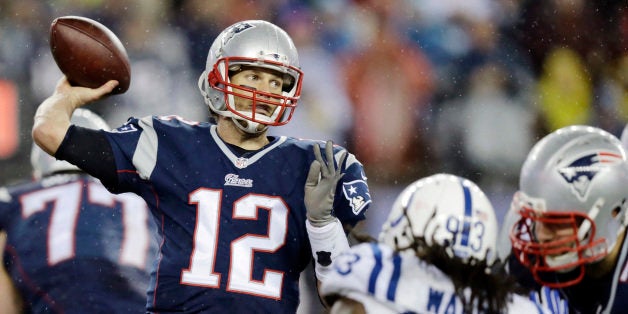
pixel 320 186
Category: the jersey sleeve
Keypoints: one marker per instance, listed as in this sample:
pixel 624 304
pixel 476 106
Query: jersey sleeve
pixel 124 144
pixel 366 268
pixel 140 145
pixel 367 273
pixel 352 193
pixel 349 272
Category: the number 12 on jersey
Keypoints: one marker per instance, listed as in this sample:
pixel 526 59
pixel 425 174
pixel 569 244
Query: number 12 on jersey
pixel 203 259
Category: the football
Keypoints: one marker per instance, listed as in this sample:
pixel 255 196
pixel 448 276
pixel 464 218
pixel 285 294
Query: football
pixel 88 53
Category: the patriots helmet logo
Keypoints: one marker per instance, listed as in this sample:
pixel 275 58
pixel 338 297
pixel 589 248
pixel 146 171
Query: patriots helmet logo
pixel 580 172
pixel 234 30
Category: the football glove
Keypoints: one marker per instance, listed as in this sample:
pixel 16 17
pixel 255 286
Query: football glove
pixel 320 186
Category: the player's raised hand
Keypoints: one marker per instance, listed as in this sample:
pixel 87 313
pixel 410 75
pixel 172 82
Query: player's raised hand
pixel 52 118
pixel 320 186
pixel 78 95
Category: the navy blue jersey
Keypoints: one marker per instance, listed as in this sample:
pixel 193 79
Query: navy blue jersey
pixel 605 294
pixel 73 247
pixel 232 227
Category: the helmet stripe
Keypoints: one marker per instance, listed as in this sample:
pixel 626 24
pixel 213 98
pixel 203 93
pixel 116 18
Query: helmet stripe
pixel 468 213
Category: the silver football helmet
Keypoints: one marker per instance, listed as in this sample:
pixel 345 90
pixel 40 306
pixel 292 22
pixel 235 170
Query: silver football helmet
pixel 253 43
pixel 573 179
pixel 444 209
pixel 45 165
pixel 624 137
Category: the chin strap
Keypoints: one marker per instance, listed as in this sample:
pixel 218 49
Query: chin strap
pixel 327 243
pixel 248 126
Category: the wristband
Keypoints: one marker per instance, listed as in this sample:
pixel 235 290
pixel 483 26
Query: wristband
pixel 327 243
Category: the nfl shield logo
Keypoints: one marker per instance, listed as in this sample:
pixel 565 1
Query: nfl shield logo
pixel 241 162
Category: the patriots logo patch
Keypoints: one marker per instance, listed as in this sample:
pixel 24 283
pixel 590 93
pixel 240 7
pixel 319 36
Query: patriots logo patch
pixel 580 172
pixel 356 192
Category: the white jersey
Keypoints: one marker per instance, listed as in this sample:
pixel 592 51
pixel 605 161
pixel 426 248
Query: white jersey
pixel 385 281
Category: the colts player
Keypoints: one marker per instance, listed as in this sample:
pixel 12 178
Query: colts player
pixel 435 255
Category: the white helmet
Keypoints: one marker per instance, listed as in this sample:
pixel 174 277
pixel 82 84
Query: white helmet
pixel 447 210
pixel 252 43
pixel 576 176
pixel 45 165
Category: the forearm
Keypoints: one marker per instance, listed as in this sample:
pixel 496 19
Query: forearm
pixel 52 120
pixel 327 243
pixel 325 232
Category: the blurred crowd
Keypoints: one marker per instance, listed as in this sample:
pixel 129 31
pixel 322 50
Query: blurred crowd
pixel 412 87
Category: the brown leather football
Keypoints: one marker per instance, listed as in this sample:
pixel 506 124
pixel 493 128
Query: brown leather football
pixel 88 53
